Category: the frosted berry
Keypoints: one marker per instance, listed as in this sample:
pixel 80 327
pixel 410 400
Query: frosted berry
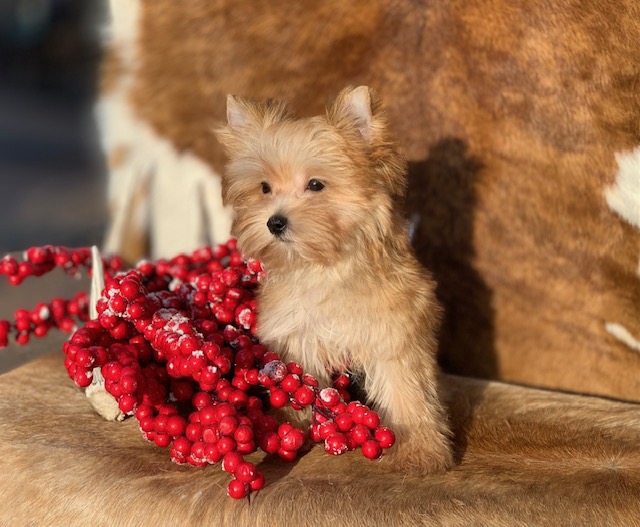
pixel 336 444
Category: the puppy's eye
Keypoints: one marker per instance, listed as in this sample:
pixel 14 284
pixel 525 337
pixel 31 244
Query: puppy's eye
pixel 315 185
pixel 265 187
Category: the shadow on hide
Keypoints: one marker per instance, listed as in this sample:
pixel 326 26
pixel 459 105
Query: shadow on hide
pixel 441 199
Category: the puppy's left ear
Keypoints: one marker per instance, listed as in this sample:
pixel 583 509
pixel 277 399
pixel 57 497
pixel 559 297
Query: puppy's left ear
pixel 355 108
pixel 238 111
pixel 246 116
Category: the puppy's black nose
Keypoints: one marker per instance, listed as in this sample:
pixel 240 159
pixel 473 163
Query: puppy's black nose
pixel 277 225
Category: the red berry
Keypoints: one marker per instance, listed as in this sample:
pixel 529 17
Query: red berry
pixel 293 440
pixel 162 439
pixel 118 303
pixel 327 429
pixel 230 462
pixel 211 453
pixel 84 358
pixel 284 429
pixel 257 483
pixel 294 367
pixel 211 434
pixel 270 442
pixel 344 421
pixel 82 378
pixel 371 419
pixel 9 266
pixel 336 444
pixel 128 384
pixel 341 382
pixel 160 423
pixel 201 399
pixel 246 448
pixel 208 415
pixel 129 289
pixel 176 425
pixel 236 489
pixel 226 444
pixel 223 410
pixel 230 277
pixel 287 455
pixel 304 396
pixel 371 449
pixel 137 311
pixel 290 383
pixel 243 434
pixel 228 425
pixel 181 446
pixel 278 398
pixel 238 398
pixel 385 437
pixel 245 472
pixel 359 434
pixel 127 403
pixel 197 450
pixel 146 423
pixel 314 432
pixel 358 413
pixel 194 431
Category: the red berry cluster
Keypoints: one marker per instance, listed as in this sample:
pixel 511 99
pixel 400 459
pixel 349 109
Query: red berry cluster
pixel 175 343
pixel 59 313
pixel 40 260
pixel 342 424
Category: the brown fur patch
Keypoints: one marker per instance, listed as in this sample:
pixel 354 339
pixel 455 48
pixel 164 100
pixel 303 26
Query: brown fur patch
pixel 111 70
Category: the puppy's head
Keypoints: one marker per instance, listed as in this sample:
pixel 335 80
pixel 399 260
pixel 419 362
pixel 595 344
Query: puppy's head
pixel 311 190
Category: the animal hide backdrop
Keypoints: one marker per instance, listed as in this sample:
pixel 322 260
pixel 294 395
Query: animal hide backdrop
pixel 521 125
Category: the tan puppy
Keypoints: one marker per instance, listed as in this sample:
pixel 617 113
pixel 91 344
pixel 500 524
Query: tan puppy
pixel 318 201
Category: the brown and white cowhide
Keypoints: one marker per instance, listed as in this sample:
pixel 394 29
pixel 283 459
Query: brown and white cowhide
pixel 524 457
pixel 521 122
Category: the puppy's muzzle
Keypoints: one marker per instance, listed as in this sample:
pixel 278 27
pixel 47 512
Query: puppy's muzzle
pixel 277 224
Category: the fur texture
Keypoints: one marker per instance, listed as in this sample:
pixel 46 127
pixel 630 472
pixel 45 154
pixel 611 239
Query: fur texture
pixel 525 457
pixel 343 286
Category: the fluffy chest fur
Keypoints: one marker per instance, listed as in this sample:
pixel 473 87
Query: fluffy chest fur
pixel 312 323
pixel 328 321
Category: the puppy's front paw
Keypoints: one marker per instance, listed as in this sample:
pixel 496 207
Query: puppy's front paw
pixel 418 456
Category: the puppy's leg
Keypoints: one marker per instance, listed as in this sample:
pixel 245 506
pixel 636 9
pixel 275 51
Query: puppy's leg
pixel 403 389
pixel 305 352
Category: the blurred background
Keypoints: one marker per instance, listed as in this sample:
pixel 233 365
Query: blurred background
pixel 52 175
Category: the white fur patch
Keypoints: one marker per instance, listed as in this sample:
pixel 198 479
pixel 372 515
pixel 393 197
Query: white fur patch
pixel 624 196
pixel 181 205
pixel 622 334
pixel 123 28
